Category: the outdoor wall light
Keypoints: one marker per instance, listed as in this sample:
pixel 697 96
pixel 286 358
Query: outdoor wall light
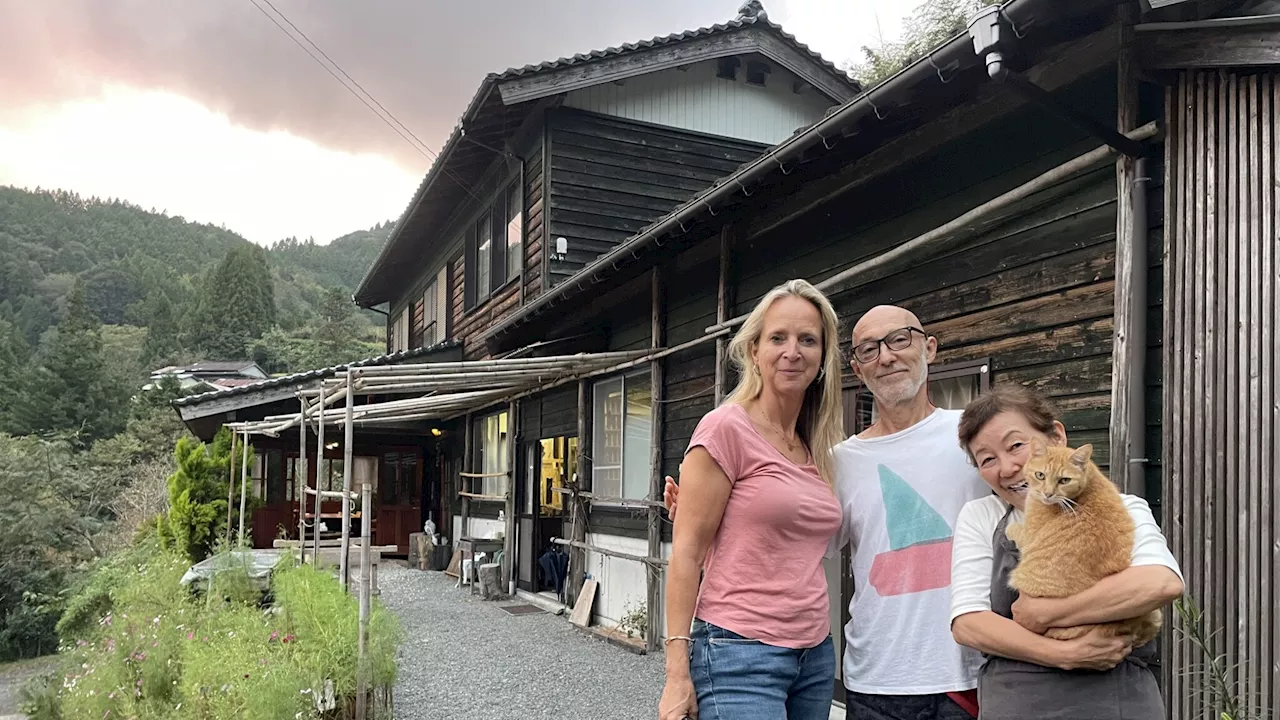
pixel 436 432
pixel 562 249
pixel 987 33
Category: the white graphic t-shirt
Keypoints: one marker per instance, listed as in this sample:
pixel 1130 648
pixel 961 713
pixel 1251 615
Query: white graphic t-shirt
pixel 901 496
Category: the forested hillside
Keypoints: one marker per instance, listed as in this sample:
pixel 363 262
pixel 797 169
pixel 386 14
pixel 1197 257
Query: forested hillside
pixel 189 291
pixel 93 296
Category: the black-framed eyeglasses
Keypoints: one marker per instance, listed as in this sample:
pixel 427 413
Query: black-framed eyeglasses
pixel 900 339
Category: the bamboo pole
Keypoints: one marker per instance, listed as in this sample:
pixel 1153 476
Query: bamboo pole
pixel 348 439
pixel 552 360
pixel 652 561
pixel 653 580
pixel 300 481
pixel 231 482
pixel 315 523
pixel 366 573
pixel 244 481
pixel 577 512
pixel 723 289
pixel 508 539
pixel 843 280
pixel 465 486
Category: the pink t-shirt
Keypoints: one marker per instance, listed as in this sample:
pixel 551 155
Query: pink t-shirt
pixel 763 574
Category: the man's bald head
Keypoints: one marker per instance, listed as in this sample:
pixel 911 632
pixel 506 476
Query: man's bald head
pixel 882 319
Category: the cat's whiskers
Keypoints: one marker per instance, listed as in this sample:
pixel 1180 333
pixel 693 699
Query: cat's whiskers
pixel 1068 505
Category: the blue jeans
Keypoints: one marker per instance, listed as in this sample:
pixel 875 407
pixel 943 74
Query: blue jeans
pixel 736 678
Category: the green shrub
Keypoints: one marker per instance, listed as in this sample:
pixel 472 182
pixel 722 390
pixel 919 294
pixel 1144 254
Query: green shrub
pixel 197 497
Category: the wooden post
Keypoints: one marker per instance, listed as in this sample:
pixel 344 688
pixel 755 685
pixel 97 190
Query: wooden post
pixel 244 480
pixel 348 438
pixel 723 302
pixel 366 582
pixel 577 510
pixel 1125 473
pixel 231 482
pixel 315 524
pixel 300 479
pixel 464 483
pixel 509 529
pixel 657 379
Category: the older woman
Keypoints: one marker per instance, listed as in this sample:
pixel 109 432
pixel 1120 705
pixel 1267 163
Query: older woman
pixel 1094 677
pixel 757 513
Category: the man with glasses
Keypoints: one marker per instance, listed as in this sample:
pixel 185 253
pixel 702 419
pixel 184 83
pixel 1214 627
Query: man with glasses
pixel 902 482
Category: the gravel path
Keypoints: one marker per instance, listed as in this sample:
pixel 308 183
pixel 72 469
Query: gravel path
pixel 13 676
pixel 465 659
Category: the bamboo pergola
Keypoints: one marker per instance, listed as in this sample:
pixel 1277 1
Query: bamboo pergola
pixel 437 391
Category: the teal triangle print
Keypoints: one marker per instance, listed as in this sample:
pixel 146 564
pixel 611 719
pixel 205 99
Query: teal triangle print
pixel 911 520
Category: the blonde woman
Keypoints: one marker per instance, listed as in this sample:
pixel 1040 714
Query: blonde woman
pixel 757 514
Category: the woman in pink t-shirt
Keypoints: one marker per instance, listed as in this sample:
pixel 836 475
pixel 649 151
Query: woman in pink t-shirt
pixel 757 512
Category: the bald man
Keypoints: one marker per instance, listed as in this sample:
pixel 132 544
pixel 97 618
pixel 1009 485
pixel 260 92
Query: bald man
pixel 901 483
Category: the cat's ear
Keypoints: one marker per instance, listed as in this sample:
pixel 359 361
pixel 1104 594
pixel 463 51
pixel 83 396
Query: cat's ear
pixel 1038 448
pixel 1080 458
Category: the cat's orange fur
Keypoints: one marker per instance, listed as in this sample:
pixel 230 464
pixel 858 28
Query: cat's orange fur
pixel 1075 532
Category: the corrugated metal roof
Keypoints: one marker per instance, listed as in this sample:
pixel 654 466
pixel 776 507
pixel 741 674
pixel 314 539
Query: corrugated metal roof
pixel 319 373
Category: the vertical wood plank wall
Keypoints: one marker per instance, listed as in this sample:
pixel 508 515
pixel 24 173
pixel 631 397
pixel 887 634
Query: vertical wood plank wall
pixel 1221 378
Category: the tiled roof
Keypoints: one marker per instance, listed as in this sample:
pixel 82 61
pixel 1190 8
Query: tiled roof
pixel 750 14
pixel 301 377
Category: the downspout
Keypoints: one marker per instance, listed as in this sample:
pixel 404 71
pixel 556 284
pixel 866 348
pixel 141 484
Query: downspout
pixel 1138 334
pixel 989 40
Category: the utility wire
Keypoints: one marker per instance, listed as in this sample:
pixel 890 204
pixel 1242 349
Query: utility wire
pixel 353 80
pixel 410 138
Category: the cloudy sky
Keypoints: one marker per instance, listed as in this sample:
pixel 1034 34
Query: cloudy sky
pixel 206 109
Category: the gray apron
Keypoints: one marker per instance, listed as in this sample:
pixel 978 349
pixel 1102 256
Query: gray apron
pixel 1016 690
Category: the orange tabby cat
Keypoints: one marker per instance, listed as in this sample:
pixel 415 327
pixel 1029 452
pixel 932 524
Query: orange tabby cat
pixel 1075 531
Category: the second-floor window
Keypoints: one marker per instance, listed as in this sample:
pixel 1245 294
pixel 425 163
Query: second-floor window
pixel 429 313
pixel 495 246
pixel 515 233
pixel 484 255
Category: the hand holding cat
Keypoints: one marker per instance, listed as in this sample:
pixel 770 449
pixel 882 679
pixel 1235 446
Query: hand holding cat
pixel 1096 650
pixel 1035 614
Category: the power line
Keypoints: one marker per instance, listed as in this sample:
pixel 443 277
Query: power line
pixel 410 138
pixel 344 74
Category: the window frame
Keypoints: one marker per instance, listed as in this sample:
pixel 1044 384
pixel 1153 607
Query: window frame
pixel 480 287
pixel 949 371
pixel 514 189
pixel 623 433
pixel 503 484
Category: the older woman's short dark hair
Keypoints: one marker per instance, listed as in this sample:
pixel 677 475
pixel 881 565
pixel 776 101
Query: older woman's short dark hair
pixel 1005 398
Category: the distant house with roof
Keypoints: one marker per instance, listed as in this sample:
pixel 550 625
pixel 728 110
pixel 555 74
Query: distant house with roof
pixel 210 375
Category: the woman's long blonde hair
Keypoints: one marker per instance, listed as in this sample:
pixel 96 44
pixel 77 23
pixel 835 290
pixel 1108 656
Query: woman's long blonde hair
pixel 821 421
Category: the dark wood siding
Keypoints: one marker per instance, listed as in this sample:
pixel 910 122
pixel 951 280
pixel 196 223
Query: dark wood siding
pixel 690 375
pixel 1033 292
pixel 534 226
pixel 609 178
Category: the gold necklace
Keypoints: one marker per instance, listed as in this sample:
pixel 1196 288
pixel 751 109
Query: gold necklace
pixel 792 446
